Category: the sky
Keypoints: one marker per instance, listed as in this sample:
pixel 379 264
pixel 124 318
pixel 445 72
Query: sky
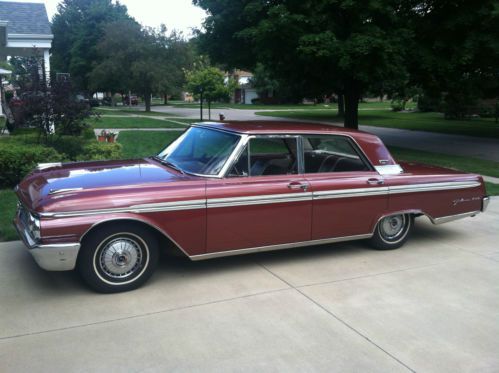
pixel 175 14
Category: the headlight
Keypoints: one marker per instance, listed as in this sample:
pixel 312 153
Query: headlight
pixel 34 227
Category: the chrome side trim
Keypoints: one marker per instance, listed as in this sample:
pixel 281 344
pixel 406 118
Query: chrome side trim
pixel 347 193
pixel 64 190
pixel 150 207
pixel 258 200
pixel 427 187
pixel 269 199
pixel 250 250
pixel 446 219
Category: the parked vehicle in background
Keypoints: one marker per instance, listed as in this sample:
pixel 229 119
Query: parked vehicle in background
pixel 130 100
pixel 228 189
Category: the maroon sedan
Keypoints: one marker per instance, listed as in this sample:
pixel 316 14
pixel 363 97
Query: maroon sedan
pixel 228 189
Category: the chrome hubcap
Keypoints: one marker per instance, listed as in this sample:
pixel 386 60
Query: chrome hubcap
pixel 120 258
pixel 392 226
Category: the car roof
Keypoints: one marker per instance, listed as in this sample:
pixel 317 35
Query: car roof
pixel 279 127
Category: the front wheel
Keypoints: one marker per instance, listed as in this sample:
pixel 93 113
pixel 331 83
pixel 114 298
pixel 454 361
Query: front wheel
pixel 392 231
pixel 118 258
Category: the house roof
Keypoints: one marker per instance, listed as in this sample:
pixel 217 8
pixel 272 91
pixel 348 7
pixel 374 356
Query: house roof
pixel 25 18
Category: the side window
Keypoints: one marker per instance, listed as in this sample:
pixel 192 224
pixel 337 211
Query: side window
pixel 267 156
pixel 332 154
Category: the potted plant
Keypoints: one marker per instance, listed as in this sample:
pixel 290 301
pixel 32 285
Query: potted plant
pixel 102 137
pixel 111 136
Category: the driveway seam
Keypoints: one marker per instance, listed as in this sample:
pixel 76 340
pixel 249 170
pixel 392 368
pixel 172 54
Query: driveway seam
pixel 376 274
pixel 339 319
pixel 143 315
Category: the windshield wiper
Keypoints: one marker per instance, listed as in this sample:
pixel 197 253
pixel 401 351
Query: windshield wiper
pixel 169 164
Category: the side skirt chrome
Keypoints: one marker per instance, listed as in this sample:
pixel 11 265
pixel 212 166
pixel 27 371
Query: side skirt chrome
pixel 446 219
pixel 260 249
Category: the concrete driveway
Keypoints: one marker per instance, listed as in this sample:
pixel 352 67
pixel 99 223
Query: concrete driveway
pixel 431 306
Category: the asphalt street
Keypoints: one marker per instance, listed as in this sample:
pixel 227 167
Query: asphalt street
pixel 431 306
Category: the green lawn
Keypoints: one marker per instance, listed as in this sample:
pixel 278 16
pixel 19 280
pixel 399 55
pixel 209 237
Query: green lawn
pixel 467 164
pixel 8 201
pixel 431 122
pixel 124 122
pixel 139 144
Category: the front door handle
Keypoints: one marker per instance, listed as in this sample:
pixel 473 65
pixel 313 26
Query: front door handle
pixel 374 181
pixel 295 185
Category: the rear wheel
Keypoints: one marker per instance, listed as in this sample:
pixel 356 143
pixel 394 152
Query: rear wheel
pixel 118 258
pixel 392 231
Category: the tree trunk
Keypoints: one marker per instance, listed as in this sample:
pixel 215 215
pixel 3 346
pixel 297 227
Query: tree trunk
pixel 341 105
pixel 166 99
pixel 147 100
pixel 352 95
pixel 209 109
pixel 201 107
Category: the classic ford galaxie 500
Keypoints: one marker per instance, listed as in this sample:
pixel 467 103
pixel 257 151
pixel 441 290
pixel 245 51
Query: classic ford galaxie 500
pixel 227 189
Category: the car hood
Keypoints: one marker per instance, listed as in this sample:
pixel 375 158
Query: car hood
pixel 102 184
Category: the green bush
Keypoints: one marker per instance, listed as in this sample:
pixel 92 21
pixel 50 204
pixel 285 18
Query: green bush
pixel 17 159
pixel 96 151
pixel 397 105
pixel 71 146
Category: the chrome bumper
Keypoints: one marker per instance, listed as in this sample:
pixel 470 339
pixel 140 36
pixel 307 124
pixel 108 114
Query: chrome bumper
pixel 55 257
pixel 485 203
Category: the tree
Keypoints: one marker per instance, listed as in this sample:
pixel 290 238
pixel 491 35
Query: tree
pixel 208 83
pixel 144 60
pixel 456 53
pixel 314 46
pixel 78 27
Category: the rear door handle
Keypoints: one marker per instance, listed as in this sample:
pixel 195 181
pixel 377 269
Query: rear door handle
pixel 374 181
pixel 295 185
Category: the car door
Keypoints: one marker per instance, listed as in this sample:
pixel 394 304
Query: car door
pixel 348 194
pixel 263 201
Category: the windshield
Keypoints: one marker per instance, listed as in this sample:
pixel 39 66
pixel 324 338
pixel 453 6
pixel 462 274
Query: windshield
pixel 200 151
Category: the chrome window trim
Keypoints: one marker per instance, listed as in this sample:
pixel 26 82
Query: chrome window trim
pixel 363 156
pixel 230 158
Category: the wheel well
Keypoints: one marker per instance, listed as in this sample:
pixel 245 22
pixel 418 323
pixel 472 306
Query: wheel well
pixel 164 242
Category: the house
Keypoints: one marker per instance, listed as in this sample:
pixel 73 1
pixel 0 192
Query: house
pixel 24 28
pixel 245 93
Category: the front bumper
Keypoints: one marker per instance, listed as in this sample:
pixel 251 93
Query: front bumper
pixel 485 203
pixel 54 257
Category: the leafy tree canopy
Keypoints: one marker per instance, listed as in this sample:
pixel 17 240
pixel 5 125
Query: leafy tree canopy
pixel 143 60
pixel 317 46
pixel 78 27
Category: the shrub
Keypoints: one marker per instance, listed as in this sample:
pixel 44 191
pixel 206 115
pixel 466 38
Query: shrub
pixel 427 103
pixel 71 146
pixel 17 159
pixel 397 105
pixel 96 151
